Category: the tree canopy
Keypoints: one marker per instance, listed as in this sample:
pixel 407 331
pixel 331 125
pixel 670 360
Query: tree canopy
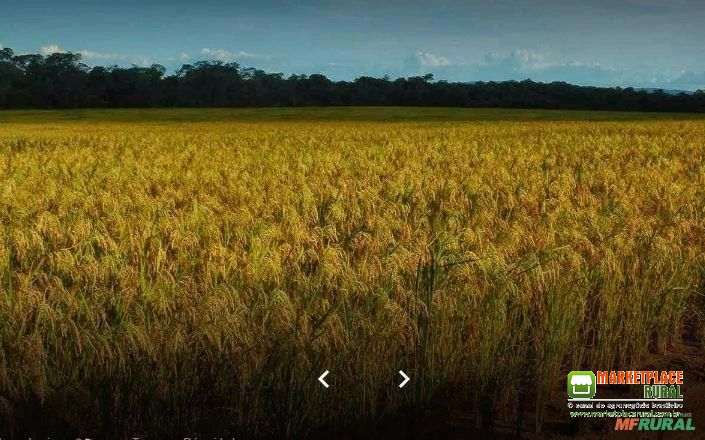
pixel 60 80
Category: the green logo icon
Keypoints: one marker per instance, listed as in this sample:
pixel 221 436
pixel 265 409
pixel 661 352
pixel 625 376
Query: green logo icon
pixel 582 384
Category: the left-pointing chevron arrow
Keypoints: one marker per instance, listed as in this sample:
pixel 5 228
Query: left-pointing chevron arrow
pixel 322 376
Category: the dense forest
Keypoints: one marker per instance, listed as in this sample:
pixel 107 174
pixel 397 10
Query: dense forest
pixel 60 80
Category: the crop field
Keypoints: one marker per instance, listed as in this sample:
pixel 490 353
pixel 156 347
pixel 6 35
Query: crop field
pixel 166 270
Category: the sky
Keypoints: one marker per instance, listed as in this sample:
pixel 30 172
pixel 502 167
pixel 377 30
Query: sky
pixel 639 43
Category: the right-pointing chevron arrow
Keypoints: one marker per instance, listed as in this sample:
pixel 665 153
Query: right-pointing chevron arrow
pixel 406 379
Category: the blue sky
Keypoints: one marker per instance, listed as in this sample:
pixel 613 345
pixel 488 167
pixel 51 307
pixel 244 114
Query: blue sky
pixel 642 43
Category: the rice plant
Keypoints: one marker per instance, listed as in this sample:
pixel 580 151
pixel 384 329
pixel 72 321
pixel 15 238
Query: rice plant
pixel 174 277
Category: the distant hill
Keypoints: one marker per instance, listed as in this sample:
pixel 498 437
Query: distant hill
pixel 666 91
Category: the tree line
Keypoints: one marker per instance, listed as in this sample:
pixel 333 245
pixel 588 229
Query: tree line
pixel 60 80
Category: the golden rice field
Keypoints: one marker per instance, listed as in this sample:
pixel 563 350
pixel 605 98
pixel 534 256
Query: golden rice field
pixel 169 275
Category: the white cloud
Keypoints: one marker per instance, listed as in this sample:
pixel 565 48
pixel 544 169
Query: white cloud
pixel 94 57
pixel 243 54
pixel 218 54
pixel 140 61
pixel 426 60
pixel 227 56
pixel 184 56
pixel 517 64
pixel 519 60
pixel 530 59
pixel 90 55
pixel 689 80
pixel 526 63
pixel 52 48
pixel 520 64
